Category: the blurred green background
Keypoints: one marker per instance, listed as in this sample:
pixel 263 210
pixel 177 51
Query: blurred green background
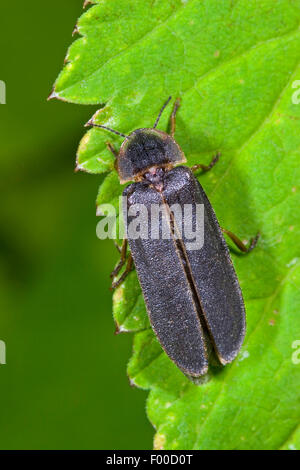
pixel 64 385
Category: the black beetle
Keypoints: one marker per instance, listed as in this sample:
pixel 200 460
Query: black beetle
pixel 193 297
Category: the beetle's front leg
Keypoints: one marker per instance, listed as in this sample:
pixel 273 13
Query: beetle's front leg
pixel 128 268
pixel 112 149
pixel 238 242
pixel 214 160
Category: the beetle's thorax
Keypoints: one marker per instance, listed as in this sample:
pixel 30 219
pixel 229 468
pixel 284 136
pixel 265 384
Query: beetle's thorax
pixel 144 149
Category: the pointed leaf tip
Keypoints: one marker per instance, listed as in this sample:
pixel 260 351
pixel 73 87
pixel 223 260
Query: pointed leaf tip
pixel 75 30
pixel 86 3
pixel 52 95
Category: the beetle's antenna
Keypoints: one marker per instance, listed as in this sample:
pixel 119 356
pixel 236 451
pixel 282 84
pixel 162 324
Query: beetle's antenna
pixel 90 123
pixel 161 111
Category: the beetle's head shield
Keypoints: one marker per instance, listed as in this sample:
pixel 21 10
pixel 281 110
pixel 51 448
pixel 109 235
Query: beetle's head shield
pixel 145 148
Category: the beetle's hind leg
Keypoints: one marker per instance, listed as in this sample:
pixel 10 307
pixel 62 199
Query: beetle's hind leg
pixel 238 242
pixel 121 263
pixel 214 160
pixel 119 248
pixel 173 116
pixel 128 268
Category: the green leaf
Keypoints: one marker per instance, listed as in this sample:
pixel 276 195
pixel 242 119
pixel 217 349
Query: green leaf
pixel 235 65
pixel 129 307
pixel 109 191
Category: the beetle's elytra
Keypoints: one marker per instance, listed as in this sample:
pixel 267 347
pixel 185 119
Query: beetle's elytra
pixel 193 297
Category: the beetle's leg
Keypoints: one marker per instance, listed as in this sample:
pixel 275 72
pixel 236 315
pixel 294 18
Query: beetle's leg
pixel 241 245
pixel 128 268
pixel 119 248
pixel 214 160
pixel 173 116
pixel 122 260
pixel 112 149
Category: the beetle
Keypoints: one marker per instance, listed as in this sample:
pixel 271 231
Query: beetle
pixel 193 297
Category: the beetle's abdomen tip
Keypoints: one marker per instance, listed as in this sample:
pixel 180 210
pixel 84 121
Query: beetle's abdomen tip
pixel 197 377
